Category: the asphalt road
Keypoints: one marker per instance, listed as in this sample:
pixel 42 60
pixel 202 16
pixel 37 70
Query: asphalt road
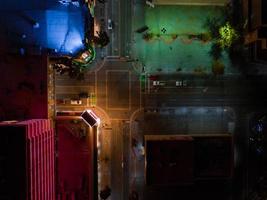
pixel 67 89
pixel 119 12
pixel 205 91
pixel 117 90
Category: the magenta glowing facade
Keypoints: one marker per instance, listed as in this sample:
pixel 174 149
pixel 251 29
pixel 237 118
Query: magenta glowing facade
pixel 28 161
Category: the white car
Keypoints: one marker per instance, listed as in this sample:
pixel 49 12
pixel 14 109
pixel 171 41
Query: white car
pixel 158 83
pixel 76 102
pixel 110 24
pixel 181 83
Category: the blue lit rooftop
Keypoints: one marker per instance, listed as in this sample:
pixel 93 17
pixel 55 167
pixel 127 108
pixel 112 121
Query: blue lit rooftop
pixel 44 24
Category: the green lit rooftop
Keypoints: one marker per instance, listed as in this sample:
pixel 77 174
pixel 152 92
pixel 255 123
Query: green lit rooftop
pixel 171 45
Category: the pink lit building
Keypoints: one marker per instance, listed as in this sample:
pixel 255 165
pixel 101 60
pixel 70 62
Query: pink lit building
pixel 27 160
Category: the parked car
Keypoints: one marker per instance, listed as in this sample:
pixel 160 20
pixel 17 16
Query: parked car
pixel 178 83
pixel 110 24
pixel 75 102
pixel 181 83
pixel 158 83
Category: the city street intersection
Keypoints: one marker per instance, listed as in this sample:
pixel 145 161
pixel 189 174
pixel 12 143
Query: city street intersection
pixel 134 98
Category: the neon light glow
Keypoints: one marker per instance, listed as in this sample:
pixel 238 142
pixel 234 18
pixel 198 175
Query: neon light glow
pixel 64 31
pixel 227 35
pixel 90 118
